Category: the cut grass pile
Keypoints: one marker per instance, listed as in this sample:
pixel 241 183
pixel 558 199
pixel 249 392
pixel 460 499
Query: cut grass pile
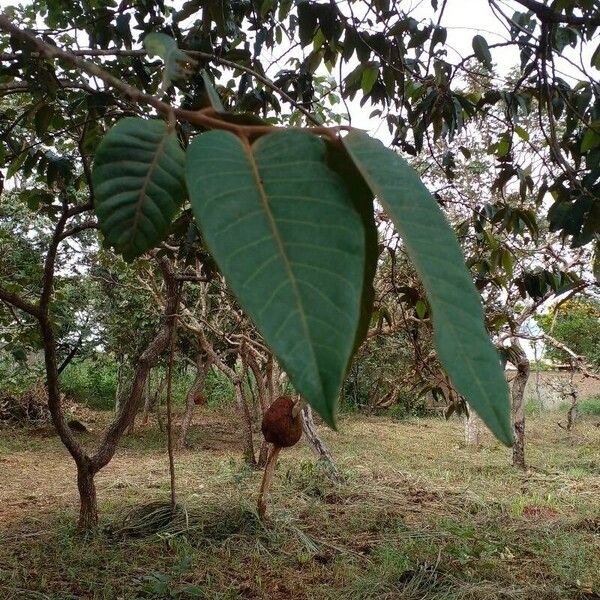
pixel 420 517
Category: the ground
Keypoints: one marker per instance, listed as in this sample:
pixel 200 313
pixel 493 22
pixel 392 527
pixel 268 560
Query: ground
pixel 420 517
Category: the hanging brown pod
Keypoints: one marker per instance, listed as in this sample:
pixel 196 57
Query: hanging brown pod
pixel 282 427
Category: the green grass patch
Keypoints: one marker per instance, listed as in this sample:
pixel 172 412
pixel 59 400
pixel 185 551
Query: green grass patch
pixel 419 517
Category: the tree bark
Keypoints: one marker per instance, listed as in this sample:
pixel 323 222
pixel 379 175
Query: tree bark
pixel 472 429
pixel 318 446
pixel 88 504
pixel 246 422
pixel 264 396
pixel 202 367
pixel 521 362
pixel 572 412
pixel 240 399
pixel 119 387
pixel 261 388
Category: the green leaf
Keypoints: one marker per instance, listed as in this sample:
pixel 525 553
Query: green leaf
pixel 591 139
pixel 178 64
pixel 595 61
pixel 507 263
pixel 307 22
pixel 16 164
pixel 266 6
pixel 284 231
pixel 503 146
pixel 439 36
pixel 421 309
pixel 369 77
pixel 522 133
pixel 362 197
pixel 211 93
pixel 463 345
pixel 482 51
pixel 43 116
pixel 138 184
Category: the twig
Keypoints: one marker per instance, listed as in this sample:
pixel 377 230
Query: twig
pixel 203 119
pixel 545 14
pixel 169 398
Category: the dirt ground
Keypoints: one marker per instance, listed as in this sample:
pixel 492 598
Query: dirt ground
pixel 420 516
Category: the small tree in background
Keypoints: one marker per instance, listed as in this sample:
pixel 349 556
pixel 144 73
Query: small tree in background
pixel 576 324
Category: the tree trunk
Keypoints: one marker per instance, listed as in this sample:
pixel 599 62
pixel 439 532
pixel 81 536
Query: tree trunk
pixel 271 388
pixel 572 412
pixel 147 361
pixel 147 400
pixel 263 454
pixel 472 429
pixel 238 386
pixel 152 403
pixel 246 423
pixel 202 367
pixel 119 387
pixel 273 379
pixel 88 504
pixel 261 387
pixel 318 446
pixel 264 399
pixel 521 362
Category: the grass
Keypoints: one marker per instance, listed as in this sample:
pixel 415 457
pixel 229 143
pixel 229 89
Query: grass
pixel 420 517
pixel 590 406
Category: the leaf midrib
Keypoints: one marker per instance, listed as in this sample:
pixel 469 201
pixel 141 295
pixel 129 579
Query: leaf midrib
pixel 281 249
pixel 147 178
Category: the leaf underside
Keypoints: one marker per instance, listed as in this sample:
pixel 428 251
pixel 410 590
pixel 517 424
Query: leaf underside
pixel 463 345
pixel 287 238
pixel 138 184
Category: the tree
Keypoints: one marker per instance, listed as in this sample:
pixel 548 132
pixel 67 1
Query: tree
pixel 69 103
pixel 576 324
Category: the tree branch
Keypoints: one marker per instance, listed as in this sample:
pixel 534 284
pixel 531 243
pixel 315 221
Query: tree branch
pixel 20 303
pixel 74 57
pixel 546 14
pixel 91 224
pixel 49 343
pixel 147 360
pixel 16 87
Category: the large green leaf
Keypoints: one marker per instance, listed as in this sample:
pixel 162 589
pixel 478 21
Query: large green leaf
pixel 463 345
pixel 284 231
pixel 138 184
pixel 362 197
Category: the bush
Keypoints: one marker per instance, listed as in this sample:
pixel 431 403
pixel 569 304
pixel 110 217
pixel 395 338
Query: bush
pixel 219 389
pixel 91 382
pixel 408 405
pixel 591 406
pixel 17 377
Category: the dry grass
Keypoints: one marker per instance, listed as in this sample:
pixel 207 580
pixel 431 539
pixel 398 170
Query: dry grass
pixel 421 517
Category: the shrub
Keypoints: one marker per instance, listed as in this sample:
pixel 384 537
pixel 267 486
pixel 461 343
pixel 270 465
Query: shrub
pixel 591 406
pixel 219 389
pixel 91 382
